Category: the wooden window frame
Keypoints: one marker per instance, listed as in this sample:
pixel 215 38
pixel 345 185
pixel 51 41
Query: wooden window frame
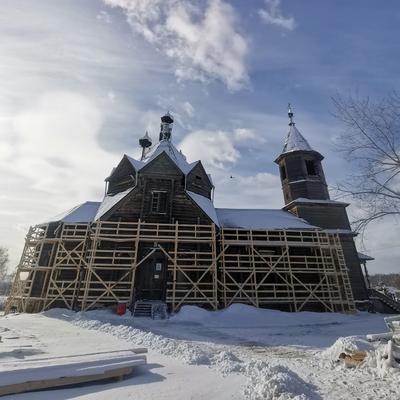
pixel 156 199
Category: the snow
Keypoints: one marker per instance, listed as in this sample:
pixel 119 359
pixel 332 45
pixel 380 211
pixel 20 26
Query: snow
pixel 315 201
pixel 341 231
pixel 346 345
pixel 260 219
pixel 237 353
pixel 295 141
pixel 27 338
pixel 84 213
pixel 364 257
pixel 205 204
pixel 14 372
pixel 109 201
pixel 165 146
pixel 135 163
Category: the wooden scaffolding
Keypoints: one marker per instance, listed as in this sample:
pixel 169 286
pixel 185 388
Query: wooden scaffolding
pixel 286 269
pixel 86 266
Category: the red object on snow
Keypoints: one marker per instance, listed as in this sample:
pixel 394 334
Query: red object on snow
pixel 121 308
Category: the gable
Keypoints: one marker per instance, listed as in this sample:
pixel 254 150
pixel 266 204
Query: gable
pixel 161 165
pixel 123 177
pixel 198 181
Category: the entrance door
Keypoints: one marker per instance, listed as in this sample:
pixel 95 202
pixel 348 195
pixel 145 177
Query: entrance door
pixel 151 279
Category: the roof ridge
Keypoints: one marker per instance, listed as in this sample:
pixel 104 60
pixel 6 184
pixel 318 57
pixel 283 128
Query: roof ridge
pixel 167 147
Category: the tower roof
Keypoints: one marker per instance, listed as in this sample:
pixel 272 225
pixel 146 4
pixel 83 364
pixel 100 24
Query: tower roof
pixel 295 141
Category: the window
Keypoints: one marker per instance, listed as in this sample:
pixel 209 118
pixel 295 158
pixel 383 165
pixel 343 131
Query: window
pixel 311 167
pixel 159 202
pixel 198 181
pixel 283 171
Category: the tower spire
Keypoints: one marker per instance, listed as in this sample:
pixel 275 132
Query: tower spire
pixel 145 143
pixel 166 127
pixel 290 115
pixel 300 167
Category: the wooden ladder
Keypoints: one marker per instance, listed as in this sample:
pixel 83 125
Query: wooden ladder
pixel 348 298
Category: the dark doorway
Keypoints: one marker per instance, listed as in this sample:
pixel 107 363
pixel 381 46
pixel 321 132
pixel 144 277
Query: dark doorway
pixel 151 278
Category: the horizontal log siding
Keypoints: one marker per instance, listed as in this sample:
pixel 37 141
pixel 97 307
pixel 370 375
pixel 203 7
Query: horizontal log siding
pixel 161 175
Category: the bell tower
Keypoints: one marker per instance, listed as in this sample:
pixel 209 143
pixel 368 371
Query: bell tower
pixel 306 195
pixel 300 167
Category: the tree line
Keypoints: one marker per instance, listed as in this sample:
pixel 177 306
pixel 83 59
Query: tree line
pixel 392 280
pixel 5 277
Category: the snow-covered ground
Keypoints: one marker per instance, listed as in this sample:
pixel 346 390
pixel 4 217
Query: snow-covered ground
pixel 238 353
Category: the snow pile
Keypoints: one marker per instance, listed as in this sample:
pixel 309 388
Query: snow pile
pixel 192 314
pixel 227 362
pixel 382 361
pixel 185 351
pixel 246 315
pixel 346 345
pixel 239 340
pixel 264 381
pixel 277 383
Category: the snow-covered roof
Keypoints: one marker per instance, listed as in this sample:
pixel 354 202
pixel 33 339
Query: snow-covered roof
pixel 165 146
pixel 206 205
pixel 364 257
pixel 84 212
pixel 260 219
pixel 295 141
pixel 135 163
pixel 341 231
pixel 109 201
pixel 303 200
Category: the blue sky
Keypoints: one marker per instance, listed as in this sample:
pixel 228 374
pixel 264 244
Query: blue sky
pixel 82 80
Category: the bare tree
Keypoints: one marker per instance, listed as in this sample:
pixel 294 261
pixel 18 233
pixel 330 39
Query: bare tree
pixel 371 143
pixel 3 263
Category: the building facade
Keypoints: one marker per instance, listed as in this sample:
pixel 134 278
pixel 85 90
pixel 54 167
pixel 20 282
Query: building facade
pixel 157 237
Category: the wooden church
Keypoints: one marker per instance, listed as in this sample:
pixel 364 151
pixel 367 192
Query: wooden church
pixel 157 239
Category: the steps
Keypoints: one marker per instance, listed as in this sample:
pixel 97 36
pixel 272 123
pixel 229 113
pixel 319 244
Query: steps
pixel 376 295
pixel 150 309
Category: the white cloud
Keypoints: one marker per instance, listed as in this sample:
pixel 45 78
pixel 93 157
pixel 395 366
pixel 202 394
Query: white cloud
pixel 220 153
pixel 55 142
pixel 272 15
pixel 381 242
pixel 247 135
pixel 52 163
pixel 202 39
pixel 217 148
pixel 213 148
pixel 111 96
pixel 104 16
pixel 188 108
pixel 260 190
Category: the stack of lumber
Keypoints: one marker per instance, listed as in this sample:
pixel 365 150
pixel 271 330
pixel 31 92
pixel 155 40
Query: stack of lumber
pixel 354 359
pixel 42 373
